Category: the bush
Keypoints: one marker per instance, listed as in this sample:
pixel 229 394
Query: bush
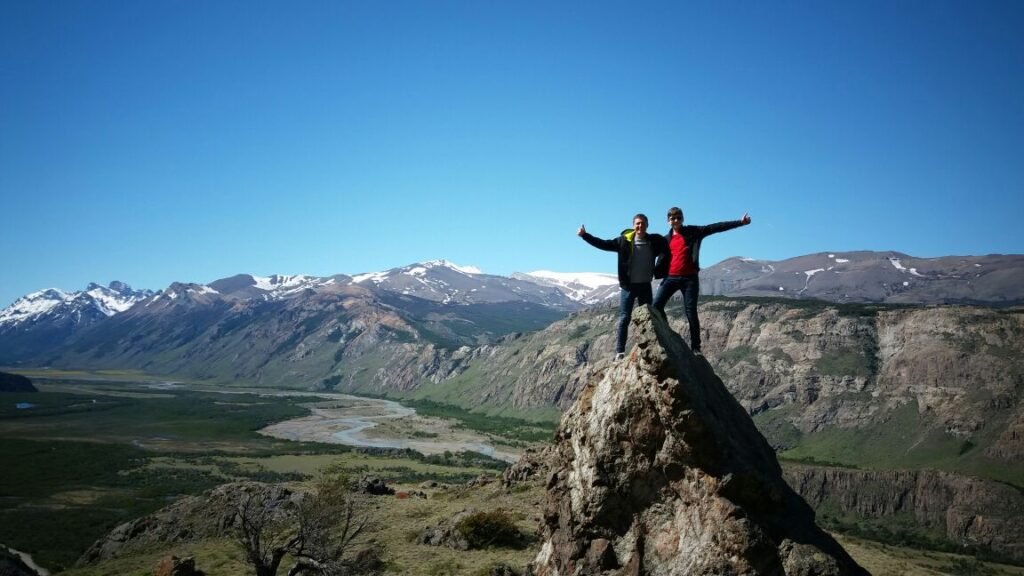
pixel 491 529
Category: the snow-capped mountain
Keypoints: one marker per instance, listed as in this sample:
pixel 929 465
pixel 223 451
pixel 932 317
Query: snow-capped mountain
pixel 44 319
pixel 94 302
pixel 273 287
pixel 583 287
pixel 448 283
pixel 873 277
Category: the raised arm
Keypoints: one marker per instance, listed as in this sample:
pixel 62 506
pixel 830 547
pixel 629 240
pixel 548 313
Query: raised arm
pixel 723 226
pixel 609 245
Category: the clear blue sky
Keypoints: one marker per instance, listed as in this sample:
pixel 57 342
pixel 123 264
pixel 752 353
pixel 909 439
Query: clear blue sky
pixel 163 141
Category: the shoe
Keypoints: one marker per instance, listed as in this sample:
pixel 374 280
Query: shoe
pixel 619 357
pixel 697 352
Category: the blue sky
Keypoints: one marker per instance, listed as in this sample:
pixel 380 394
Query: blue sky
pixel 153 142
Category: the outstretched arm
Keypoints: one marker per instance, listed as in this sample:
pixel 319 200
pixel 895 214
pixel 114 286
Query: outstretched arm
pixel 609 245
pixel 723 226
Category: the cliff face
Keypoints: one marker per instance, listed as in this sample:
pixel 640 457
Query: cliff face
pixel 969 511
pixel 658 470
pixel 953 373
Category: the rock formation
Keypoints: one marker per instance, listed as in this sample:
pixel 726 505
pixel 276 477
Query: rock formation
pixel 15 383
pixel 193 518
pixel 971 512
pixel 659 471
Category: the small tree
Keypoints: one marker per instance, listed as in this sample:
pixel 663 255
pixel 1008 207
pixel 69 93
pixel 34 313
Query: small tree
pixel 266 530
pixel 319 530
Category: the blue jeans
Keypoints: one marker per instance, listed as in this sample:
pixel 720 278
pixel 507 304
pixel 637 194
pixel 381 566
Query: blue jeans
pixel 690 287
pixel 627 299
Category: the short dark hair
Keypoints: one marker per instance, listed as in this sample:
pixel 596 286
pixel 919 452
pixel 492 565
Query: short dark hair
pixel 675 211
pixel 642 217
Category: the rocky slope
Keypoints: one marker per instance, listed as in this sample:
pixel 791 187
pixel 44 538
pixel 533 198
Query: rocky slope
pixel 951 378
pixel 192 518
pixel 974 513
pixel 658 470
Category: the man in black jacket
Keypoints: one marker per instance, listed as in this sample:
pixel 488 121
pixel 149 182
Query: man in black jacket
pixel 637 251
pixel 680 266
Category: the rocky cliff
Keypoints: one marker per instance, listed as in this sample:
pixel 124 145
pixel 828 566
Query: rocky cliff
pixel 974 513
pixel 937 380
pixel 658 470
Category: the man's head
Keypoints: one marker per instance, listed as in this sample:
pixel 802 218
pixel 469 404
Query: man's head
pixel 640 225
pixel 675 218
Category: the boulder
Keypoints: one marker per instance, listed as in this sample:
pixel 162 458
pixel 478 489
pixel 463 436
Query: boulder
pixel 374 486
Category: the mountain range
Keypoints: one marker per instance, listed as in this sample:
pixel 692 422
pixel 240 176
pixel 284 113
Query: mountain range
pixel 450 305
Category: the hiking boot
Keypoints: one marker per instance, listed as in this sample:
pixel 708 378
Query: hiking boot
pixel 619 357
pixel 697 352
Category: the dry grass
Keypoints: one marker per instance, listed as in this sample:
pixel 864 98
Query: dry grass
pixel 398 522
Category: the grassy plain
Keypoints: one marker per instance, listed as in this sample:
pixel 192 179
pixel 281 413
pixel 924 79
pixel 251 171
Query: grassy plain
pixel 91 454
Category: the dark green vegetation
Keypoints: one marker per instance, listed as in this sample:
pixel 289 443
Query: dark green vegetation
pixel 491 528
pixel 885 447
pixel 15 383
pixel 78 464
pixel 506 427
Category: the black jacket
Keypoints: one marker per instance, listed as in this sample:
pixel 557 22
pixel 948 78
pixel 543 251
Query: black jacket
pixel 693 236
pixel 623 244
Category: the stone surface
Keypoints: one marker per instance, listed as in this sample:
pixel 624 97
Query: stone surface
pixel 659 471
pixel 969 511
pixel 193 518
pixel 373 486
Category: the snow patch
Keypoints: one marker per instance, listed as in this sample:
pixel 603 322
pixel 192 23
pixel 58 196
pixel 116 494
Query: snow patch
pixel 896 264
pixel 453 266
pixel 813 272
pixel 590 280
pixel 202 289
pixel 375 277
pixel 841 260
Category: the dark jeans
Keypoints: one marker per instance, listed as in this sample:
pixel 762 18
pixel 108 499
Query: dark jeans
pixel 627 299
pixel 690 287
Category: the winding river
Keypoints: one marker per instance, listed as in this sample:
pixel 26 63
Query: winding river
pixel 377 423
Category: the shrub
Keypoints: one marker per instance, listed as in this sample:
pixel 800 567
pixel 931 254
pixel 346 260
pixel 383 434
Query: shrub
pixel 491 529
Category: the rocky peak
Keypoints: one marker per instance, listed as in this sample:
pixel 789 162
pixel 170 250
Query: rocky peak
pixel 658 470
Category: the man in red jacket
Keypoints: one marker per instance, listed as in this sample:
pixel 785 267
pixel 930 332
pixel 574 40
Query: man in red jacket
pixel 681 267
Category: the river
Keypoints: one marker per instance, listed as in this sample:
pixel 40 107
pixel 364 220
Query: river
pixel 378 423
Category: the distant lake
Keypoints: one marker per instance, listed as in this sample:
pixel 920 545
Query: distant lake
pixel 24 406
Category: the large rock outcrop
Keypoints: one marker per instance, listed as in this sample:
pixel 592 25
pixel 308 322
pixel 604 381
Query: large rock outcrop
pixel 659 471
pixel 972 512
pixel 210 515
